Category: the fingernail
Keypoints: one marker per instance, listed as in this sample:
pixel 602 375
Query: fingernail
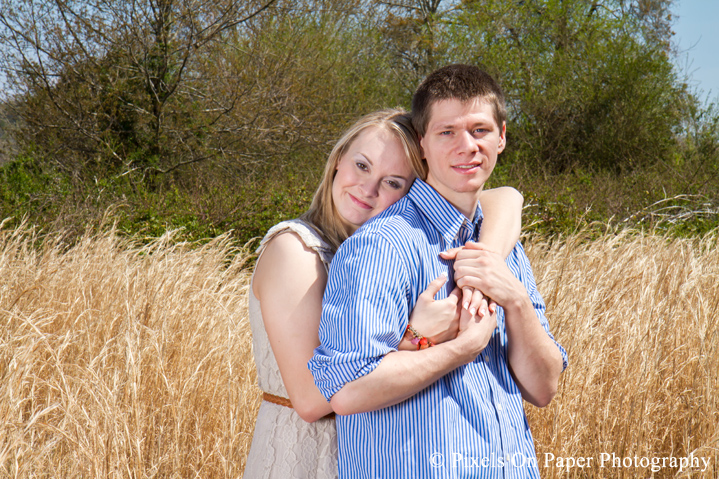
pixel 473 310
pixel 444 273
pixel 466 305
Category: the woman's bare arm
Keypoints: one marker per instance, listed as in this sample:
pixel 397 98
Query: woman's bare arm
pixel 501 227
pixel 502 223
pixel 289 281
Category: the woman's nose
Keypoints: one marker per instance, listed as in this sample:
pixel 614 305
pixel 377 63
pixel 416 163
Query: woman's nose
pixel 370 188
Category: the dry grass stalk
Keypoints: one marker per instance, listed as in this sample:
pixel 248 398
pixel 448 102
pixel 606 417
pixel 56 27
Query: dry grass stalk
pixel 118 360
pixel 638 316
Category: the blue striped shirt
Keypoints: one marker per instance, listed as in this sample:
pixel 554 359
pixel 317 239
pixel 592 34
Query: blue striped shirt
pixel 470 423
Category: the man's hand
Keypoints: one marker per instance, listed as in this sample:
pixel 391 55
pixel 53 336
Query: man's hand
pixel 481 269
pixel 534 358
pixel 473 300
pixel 475 332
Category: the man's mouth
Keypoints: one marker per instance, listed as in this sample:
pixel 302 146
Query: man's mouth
pixel 467 167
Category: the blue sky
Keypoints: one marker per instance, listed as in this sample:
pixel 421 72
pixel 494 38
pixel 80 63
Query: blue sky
pixel 696 24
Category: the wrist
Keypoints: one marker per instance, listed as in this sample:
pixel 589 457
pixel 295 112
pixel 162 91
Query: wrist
pixel 417 339
pixel 464 349
pixel 518 306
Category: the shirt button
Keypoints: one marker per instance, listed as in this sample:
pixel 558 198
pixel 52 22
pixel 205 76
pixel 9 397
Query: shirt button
pixel 499 407
pixel 486 358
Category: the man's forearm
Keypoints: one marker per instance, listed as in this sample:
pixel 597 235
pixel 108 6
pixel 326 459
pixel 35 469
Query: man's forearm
pixel 534 358
pixel 402 374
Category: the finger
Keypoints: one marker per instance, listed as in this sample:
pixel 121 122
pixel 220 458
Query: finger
pixel 434 287
pixel 456 294
pixel 476 245
pixel 479 304
pixel 450 253
pixel 492 306
pixel 471 282
pixel 466 298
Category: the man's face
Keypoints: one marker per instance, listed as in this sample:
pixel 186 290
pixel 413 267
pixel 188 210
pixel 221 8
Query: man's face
pixel 461 145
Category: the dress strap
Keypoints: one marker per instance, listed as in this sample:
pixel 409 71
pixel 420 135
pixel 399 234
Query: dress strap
pixel 309 236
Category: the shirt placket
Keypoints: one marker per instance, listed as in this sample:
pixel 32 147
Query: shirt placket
pixel 488 357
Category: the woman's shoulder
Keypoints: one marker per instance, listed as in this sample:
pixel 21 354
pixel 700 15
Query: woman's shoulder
pixel 304 236
pixel 286 260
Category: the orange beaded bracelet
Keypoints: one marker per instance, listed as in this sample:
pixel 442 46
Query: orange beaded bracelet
pixel 418 340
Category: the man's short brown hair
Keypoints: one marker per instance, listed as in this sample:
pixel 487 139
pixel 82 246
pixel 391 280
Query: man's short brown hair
pixel 456 82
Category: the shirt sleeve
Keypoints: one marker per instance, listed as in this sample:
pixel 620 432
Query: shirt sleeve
pixel 519 264
pixel 364 312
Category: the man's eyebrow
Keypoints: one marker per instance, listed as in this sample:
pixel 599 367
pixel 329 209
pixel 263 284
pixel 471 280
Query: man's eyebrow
pixel 444 126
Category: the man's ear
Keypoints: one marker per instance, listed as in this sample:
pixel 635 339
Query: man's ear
pixel 502 137
pixel 421 148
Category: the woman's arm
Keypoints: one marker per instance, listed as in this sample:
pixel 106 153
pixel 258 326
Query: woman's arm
pixel 501 226
pixel 289 281
pixel 502 223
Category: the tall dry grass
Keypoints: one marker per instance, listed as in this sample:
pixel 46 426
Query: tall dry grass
pixel 120 360
pixel 638 316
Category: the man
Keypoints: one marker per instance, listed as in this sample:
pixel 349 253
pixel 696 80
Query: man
pixel 455 409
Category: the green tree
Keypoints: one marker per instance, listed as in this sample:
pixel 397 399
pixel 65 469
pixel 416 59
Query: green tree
pixel 116 85
pixel 413 33
pixel 588 83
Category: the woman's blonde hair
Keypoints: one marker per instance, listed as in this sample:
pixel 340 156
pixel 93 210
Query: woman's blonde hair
pixel 323 214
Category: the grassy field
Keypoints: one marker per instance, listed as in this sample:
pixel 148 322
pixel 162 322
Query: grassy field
pixel 126 360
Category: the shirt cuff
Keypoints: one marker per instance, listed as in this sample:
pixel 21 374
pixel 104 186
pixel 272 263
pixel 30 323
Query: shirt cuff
pixel 332 370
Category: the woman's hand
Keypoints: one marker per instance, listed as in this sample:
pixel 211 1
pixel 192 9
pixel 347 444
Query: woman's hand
pixel 436 320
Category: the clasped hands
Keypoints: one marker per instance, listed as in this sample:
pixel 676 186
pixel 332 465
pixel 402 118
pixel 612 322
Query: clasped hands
pixel 479 274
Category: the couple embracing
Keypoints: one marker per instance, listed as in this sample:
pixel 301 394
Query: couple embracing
pixel 397 326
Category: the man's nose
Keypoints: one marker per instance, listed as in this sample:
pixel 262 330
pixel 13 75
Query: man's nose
pixel 467 142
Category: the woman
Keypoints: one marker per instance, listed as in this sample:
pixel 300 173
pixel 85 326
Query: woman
pixel 372 166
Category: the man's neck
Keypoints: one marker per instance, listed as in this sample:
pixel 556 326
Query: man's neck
pixel 465 202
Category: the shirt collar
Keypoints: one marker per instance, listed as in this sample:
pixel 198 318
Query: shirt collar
pixel 440 212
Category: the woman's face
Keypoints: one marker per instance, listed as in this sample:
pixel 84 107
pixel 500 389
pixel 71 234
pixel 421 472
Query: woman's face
pixel 373 173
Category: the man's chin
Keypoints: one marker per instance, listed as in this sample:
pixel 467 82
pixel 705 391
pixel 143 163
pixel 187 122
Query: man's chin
pixel 473 185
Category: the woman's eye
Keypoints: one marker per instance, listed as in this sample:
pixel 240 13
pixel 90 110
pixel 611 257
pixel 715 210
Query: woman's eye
pixel 361 166
pixel 394 185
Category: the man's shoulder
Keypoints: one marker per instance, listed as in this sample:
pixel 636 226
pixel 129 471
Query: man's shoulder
pixel 400 223
pixel 398 233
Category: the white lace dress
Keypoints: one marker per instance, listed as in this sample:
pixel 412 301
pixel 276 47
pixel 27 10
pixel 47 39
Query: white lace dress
pixel 284 446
